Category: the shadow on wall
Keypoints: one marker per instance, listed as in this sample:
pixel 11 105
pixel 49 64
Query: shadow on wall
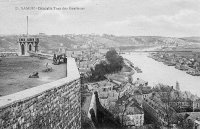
pixel 103 118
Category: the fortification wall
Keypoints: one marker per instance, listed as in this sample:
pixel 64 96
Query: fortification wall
pixel 54 105
pixel 6 54
pixel 92 106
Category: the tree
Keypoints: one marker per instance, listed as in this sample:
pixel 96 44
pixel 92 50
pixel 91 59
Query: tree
pixel 115 61
pixel 111 55
pixel 113 64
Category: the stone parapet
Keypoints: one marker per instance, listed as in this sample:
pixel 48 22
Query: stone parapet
pixel 52 105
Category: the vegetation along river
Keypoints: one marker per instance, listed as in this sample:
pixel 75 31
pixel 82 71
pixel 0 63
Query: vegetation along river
pixel 156 72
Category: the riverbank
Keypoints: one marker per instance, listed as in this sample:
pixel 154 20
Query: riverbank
pixel 188 64
pixel 156 72
pixel 125 75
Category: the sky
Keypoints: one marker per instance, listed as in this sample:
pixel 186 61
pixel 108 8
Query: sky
pixel 173 18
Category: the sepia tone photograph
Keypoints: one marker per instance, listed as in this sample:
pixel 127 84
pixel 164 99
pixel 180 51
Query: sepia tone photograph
pixel 99 64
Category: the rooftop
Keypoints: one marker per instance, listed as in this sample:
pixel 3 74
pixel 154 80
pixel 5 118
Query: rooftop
pixel 133 107
pixel 134 110
pixel 192 115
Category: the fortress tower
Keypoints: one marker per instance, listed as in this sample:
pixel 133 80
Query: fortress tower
pixel 27 43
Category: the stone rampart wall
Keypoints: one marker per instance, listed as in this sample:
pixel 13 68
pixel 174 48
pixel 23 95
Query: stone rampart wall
pixel 6 54
pixel 54 105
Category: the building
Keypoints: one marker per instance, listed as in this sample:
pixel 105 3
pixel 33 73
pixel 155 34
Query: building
pixel 125 88
pixel 181 105
pixel 27 44
pixel 107 95
pixel 78 52
pixel 42 34
pixel 92 87
pixel 146 95
pixel 192 118
pixel 130 111
pixel 103 51
pixel 73 53
pixel 196 105
pixel 140 82
pixel 62 50
pixel 106 90
pixel 138 96
pixel 135 115
pixel 158 110
pixel 108 99
pixel 175 100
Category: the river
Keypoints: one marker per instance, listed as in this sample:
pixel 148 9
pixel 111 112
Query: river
pixel 156 72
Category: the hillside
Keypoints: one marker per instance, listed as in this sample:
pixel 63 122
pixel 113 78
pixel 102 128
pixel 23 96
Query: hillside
pixel 191 39
pixel 8 43
pixel 145 40
pixel 72 41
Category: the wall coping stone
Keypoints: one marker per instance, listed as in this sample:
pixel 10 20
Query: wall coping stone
pixel 72 74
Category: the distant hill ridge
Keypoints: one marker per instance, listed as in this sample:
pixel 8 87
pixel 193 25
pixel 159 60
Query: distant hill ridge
pixel 191 39
pixel 49 42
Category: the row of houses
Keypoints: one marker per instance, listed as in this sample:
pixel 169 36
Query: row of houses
pixel 145 98
pixel 131 113
pixel 116 98
pixel 165 110
pixel 163 106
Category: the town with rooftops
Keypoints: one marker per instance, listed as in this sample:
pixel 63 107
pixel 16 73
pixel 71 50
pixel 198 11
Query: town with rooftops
pixel 99 64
